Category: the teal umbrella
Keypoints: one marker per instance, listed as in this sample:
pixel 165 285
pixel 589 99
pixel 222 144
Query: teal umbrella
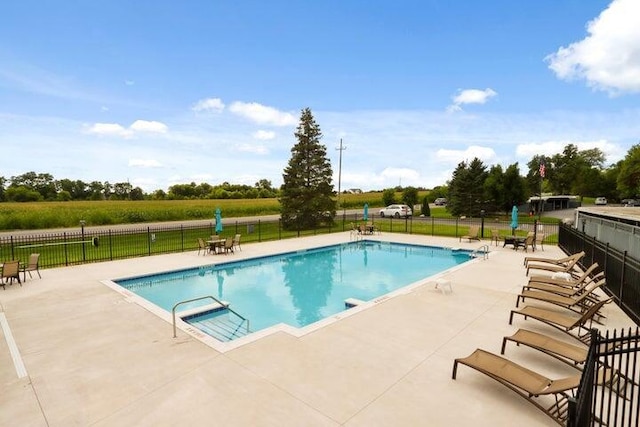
pixel 514 219
pixel 365 216
pixel 218 221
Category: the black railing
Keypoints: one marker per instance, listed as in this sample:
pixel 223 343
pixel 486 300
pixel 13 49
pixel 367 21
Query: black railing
pixel 96 244
pixel 621 269
pixel 609 391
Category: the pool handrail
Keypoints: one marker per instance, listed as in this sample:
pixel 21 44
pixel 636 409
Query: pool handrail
pixel 484 250
pixel 173 310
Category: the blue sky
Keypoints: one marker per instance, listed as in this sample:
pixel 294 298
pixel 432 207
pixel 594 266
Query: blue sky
pixel 163 92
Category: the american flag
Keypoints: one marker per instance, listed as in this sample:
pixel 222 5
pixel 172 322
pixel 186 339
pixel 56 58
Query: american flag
pixel 541 170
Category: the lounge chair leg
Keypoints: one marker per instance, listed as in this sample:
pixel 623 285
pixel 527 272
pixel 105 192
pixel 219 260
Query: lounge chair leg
pixel 455 369
pixel 504 344
pixel 511 317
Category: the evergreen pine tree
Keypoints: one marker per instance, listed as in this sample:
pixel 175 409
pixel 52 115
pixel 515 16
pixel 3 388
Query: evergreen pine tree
pixel 307 192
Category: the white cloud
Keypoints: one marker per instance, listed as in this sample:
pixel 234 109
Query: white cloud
pixel 248 148
pixel 470 96
pixel 129 82
pixel 608 59
pixel 144 163
pixel 210 104
pixel 115 129
pixel 149 126
pixel 264 135
pixel 262 114
pixel 486 154
pixel 108 129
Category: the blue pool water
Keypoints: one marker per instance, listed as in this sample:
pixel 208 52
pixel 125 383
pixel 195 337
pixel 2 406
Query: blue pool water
pixel 299 288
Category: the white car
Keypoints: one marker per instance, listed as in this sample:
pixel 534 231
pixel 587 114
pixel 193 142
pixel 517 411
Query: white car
pixel 396 211
pixel 440 201
pixel 601 201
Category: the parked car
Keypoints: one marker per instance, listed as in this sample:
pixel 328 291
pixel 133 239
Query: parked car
pixel 629 203
pixel 440 201
pixel 601 201
pixel 396 211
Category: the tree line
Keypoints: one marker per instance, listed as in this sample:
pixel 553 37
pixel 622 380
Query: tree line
pixel 473 188
pixel 34 187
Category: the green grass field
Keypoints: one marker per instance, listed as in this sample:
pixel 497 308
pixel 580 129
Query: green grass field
pixel 43 215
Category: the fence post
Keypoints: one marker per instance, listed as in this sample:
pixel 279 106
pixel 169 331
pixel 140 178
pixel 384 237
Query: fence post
pixel 182 237
pixel 110 246
pixel 66 253
pixel 149 240
pixel 571 411
pixel 624 264
pixel 259 231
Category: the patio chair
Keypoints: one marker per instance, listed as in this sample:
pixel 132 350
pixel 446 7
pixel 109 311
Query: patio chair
pixel 236 241
pixel 495 236
pixel 554 261
pixel 567 289
pixel 566 323
pixel 353 233
pixel 577 303
pixel 539 240
pixel 32 265
pixel 543 291
pixel 202 246
pixel 10 271
pixel 472 234
pixel 555 268
pixel 544 282
pixel 573 355
pixel 228 245
pixel 529 384
pixel 528 241
pixel 568 353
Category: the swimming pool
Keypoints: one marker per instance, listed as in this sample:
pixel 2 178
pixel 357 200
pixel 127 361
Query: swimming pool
pixel 296 288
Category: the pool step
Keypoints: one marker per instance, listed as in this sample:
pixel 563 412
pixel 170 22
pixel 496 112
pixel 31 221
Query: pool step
pixel 224 326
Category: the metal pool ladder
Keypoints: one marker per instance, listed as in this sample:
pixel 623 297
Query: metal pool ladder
pixel 484 250
pixel 173 311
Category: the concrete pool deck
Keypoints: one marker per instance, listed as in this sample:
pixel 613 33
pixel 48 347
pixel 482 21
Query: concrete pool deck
pixel 93 357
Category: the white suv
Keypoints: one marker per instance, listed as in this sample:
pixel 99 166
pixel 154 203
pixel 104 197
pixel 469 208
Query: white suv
pixel 396 211
pixel 601 201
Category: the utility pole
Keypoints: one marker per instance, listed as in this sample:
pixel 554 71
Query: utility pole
pixel 341 149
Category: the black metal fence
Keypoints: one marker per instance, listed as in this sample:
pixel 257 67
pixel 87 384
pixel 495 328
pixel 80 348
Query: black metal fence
pixel 620 268
pixel 609 391
pixel 96 244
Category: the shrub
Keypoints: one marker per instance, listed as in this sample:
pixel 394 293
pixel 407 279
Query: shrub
pixel 424 209
pixel 388 196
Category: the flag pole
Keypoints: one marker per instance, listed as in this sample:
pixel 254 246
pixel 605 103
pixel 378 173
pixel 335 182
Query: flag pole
pixel 541 171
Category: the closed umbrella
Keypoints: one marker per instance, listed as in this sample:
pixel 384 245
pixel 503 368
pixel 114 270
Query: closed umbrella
pixel 514 219
pixel 218 221
pixel 365 216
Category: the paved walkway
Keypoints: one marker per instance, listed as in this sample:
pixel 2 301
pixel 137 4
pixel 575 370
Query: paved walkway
pixel 94 357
